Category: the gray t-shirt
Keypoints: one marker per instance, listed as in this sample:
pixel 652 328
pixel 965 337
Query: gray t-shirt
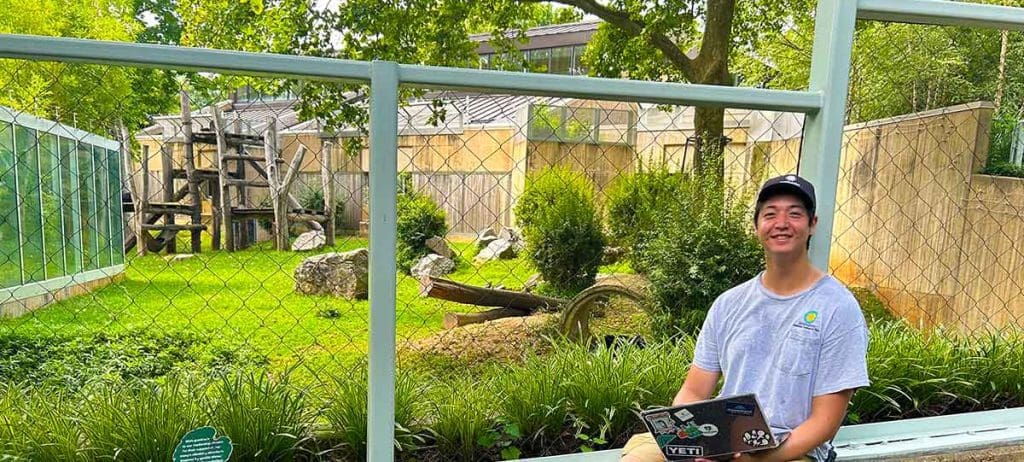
pixel 786 350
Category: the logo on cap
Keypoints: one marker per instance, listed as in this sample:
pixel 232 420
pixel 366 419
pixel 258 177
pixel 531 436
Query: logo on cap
pixel 791 178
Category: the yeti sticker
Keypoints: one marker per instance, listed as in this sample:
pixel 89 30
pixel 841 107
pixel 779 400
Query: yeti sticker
pixel 684 451
pixel 661 423
pixel 756 438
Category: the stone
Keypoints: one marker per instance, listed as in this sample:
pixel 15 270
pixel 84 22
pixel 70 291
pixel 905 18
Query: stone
pixel 339 274
pixel 179 257
pixel 499 248
pixel 433 265
pixel 485 238
pixel 513 236
pixel 309 241
pixel 439 246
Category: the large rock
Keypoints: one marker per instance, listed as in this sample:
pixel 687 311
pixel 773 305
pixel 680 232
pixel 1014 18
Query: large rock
pixel 485 238
pixel 498 248
pixel 439 246
pixel 513 236
pixel 339 274
pixel 309 241
pixel 433 265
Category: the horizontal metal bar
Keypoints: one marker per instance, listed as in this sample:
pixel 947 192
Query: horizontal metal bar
pixel 304 67
pixel 610 89
pixel 944 13
pixel 181 58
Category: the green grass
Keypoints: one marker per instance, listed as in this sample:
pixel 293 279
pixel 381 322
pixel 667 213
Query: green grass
pixel 247 299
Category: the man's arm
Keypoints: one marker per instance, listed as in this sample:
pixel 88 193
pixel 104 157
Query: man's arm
pixel 698 386
pixel 827 412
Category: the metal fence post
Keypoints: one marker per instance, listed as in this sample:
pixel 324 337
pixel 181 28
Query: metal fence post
pixel 383 237
pixel 822 143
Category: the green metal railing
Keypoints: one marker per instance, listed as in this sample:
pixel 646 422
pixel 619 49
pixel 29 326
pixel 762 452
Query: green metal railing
pixel 824 103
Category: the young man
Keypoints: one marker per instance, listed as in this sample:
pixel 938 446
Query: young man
pixel 792 335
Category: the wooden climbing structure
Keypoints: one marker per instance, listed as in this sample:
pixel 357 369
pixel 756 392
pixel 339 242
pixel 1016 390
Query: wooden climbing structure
pixel 227 187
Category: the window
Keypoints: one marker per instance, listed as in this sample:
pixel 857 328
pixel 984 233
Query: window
pixel 27 154
pixel 10 254
pixel 539 61
pixel 116 221
pixel 577 60
pixel 86 194
pixel 49 176
pixel 561 60
pixel 72 206
pixel 102 205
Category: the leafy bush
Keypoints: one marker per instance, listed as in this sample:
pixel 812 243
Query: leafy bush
pixel 532 398
pixel 559 219
pixel 461 415
pixel 1000 143
pixel 312 198
pixel 635 204
pixel 703 247
pixel 873 308
pixel 419 219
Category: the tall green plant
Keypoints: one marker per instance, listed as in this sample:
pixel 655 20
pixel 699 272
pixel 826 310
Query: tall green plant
pixel 462 414
pixel 265 418
pixel 346 410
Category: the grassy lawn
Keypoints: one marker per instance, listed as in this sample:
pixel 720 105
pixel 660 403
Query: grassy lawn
pixel 247 299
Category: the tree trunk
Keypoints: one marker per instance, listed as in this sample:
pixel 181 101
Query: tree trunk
pixel 1004 39
pixel 709 141
pixel 711 67
pixel 445 289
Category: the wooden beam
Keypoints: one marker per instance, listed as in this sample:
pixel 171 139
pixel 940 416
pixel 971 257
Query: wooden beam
pixel 453 320
pixel 128 170
pixel 327 178
pixel 190 171
pixel 167 166
pixel 222 210
pixel 274 181
pixel 481 296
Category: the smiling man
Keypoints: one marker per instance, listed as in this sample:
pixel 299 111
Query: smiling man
pixel 792 335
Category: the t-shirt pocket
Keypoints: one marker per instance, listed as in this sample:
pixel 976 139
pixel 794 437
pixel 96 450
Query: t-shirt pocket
pixel 798 352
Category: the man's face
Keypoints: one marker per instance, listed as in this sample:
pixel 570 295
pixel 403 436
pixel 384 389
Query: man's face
pixel 783 225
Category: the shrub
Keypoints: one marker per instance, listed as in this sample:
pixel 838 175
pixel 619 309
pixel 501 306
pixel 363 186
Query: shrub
pixel 635 204
pixel 873 308
pixel 312 198
pixel 533 398
pixel 462 415
pixel 346 410
pixel 41 425
pixel 265 418
pixel 559 219
pixel 703 247
pixel 419 219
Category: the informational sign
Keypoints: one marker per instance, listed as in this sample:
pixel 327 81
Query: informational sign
pixel 202 445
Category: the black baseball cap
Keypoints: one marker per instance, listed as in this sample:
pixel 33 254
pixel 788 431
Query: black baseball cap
pixel 787 184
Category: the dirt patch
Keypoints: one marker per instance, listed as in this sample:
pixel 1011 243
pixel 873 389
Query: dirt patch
pixel 499 340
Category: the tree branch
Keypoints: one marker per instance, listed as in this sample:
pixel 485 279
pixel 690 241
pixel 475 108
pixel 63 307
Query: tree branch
pixel 634 28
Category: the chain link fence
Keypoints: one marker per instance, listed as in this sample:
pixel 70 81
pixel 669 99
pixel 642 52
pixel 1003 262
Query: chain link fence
pixel 556 256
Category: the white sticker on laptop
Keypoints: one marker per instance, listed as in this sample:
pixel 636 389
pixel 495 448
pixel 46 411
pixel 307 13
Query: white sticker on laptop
pixel 756 438
pixel 684 415
pixel 708 430
pixel 662 423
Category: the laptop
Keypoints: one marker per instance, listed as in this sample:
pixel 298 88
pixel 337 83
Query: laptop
pixel 709 429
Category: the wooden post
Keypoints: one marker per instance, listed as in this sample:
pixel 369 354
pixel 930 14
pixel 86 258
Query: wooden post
pixel 138 203
pixel 222 211
pixel 327 177
pixel 273 175
pixel 190 172
pixel 244 239
pixel 167 166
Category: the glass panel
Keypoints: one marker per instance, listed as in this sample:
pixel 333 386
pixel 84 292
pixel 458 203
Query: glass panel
pixel 10 254
pixel 577 61
pixel 99 156
pixel 31 212
pixel 116 222
pixel 87 199
pixel 49 175
pixel 561 60
pixel 72 206
pixel 539 60
pixel 485 61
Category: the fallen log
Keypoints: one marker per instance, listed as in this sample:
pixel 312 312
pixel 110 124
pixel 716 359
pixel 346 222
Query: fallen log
pixel 445 289
pixel 453 320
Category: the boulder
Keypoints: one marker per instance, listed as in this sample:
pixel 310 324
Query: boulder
pixel 485 238
pixel 499 248
pixel 513 236
pixel 433 265
pixel 338 274
pixel 309 241
pixel 439 246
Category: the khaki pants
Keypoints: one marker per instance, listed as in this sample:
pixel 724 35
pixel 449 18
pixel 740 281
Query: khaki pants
pixel 642 448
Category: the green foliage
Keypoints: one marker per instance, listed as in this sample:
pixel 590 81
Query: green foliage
pixel 561 224
pixel 345 408
pixel 419 219
pixel 312 198
pixel 704 245
pixel 69 362
pixel 461 415
pixel 873 308
pixel 635 204
pixel 532 398
pixel 266 418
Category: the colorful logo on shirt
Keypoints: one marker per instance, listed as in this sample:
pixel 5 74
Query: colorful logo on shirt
pixel 810 317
